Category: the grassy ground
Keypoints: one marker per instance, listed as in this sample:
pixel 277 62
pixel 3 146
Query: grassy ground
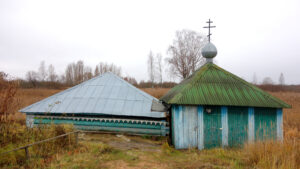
pixel 118 151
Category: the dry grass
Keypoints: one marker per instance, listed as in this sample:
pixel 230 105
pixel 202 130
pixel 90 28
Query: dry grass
pixel 25 97
pixel 156 92
pixel 14 133
pixel 258 155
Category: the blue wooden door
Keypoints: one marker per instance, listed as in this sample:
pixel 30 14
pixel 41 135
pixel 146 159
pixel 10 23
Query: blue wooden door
pixel 212 126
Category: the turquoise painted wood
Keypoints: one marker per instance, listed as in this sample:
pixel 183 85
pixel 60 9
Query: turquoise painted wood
pixel 265 124
pixel 251 124
pixel 180 127
pixel 224 120
pixel 200 128
pixel 121 129
pixel 221 126
pixel 173 129
pixel 237 126
pixel 177 133
pixel 279 125
pixel 212 127
pixel 108 126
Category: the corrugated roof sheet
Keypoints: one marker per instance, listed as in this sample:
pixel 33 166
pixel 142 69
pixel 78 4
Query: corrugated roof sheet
pixel 212 85
pixel 106 94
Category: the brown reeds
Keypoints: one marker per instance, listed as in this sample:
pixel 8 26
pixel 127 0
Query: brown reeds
pixel 14 133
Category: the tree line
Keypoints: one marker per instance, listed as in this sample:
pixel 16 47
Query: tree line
pixel 74 74
pixel 77 72
pixel 184 58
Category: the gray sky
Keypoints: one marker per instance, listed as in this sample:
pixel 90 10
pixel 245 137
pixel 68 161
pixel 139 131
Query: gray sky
pixel 255 36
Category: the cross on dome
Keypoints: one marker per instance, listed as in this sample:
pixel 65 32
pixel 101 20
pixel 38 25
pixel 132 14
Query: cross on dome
pixel 209 26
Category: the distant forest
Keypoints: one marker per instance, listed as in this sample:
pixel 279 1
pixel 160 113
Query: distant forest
pixel 184 58
pixel 75 73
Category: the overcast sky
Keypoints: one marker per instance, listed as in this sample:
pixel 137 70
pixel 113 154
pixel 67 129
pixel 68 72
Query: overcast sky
pixel 254 36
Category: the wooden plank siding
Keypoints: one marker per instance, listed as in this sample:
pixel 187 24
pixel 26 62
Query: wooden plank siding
pixel 224 119
pixel 265 124
pixel 121 126
pixel 212 126
pixel 200 128
pixel 237 126
pixel 279 125
pixel 221 126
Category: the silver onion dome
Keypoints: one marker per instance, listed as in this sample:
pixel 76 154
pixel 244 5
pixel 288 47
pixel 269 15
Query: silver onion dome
pixel 209 51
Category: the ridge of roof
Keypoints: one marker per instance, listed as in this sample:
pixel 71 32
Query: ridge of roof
pixel 135 88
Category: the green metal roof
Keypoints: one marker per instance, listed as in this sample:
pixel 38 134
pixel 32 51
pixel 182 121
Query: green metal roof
pixel 212 85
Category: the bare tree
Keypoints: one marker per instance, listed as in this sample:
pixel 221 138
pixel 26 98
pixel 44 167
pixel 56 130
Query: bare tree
pixel 32 77
pixel 151 68
pixel 254 81
pixel 159 67
pixel 281 79
pixel 96 73
pixel 62 78
pixel 52 76
pixel 267 81
pixel 87 73
pixel 104 67
pixel 130 80
pixel 186 53
pixel 79 71
pixel 70 79
pixel 42 71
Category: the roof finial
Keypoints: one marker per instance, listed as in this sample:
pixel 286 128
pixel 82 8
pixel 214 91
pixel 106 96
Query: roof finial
pixel 209 22
pixel 209 51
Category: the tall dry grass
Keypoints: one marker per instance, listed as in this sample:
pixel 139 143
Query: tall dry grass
pixel 286 154
pixel 259 155
pixel 13 132
pixel 13 135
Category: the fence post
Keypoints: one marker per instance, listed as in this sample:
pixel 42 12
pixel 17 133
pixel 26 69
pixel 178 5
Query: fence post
pixel 27 153
pixel 76 138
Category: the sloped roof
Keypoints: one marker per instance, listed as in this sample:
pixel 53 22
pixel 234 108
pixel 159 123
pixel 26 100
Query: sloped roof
pixel 212 85
pixel 106 94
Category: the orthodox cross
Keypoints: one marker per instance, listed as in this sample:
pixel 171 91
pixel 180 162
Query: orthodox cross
pixel 209 22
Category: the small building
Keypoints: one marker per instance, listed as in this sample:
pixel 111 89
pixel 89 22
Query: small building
pixel 215 108
pixel 106 102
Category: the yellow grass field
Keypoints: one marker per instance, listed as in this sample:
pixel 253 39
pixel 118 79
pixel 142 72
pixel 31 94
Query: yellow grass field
pixel 101 152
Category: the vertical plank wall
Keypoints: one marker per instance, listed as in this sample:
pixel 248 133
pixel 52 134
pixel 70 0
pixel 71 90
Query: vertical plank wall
pixel 237 125
pixel 265 120
pixel 224 121
pixel 212 121
pixel 200 128
pixel 279 124
pixel 225 126
pixel 185 125
pixel 29 121
pixel 251 124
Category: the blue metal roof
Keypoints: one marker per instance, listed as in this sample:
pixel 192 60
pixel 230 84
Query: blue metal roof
pixel 106 94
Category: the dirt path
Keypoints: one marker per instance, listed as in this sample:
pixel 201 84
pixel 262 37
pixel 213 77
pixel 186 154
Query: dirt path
pixel 124 142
